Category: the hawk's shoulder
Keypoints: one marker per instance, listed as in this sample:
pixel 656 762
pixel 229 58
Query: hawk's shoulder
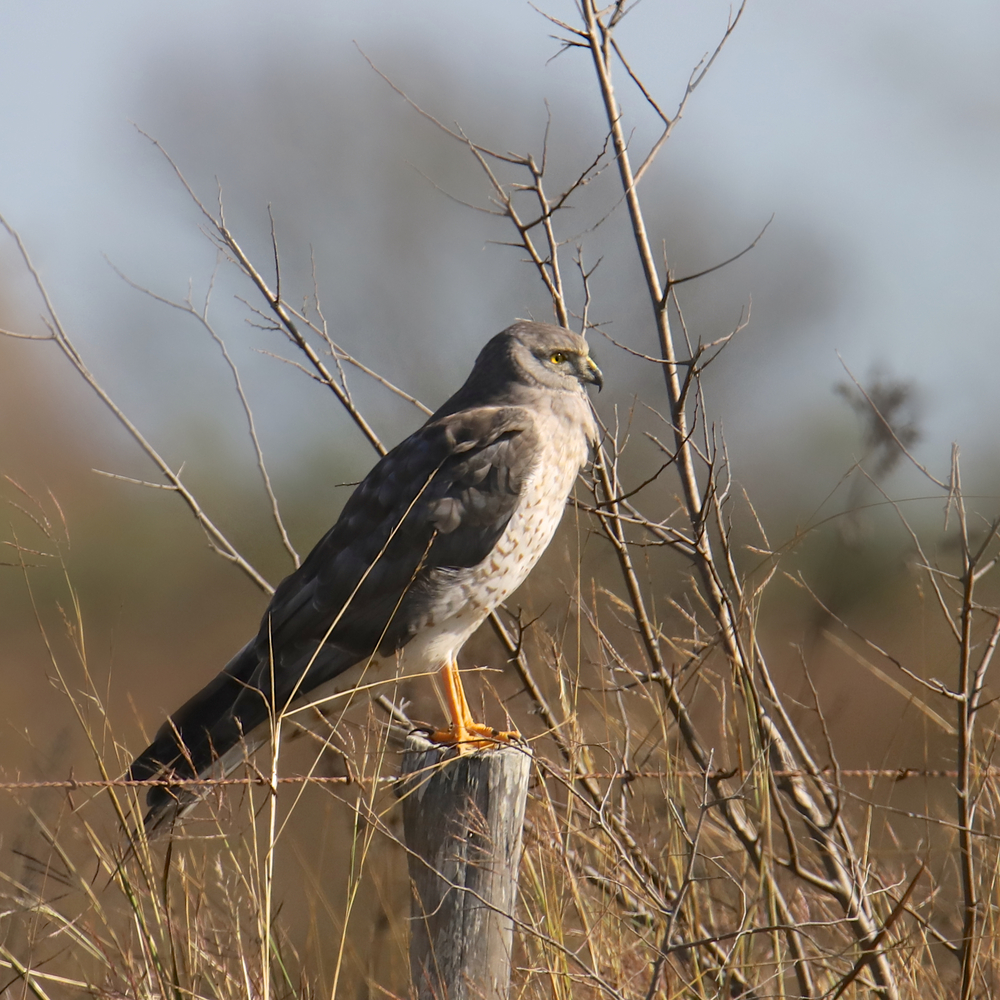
pixel 440 499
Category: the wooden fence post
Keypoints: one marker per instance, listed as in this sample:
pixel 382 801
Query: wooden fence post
pixel 462 821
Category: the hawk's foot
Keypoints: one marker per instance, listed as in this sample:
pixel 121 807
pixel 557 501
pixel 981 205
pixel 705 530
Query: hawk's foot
pixel 463 733
pixel 474 736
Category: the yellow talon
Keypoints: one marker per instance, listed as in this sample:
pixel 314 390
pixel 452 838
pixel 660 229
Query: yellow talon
pixel 464 733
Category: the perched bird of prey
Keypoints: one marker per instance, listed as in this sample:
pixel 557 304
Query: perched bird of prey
pixel 442 530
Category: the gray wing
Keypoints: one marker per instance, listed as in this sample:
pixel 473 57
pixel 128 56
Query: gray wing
pixel 440 499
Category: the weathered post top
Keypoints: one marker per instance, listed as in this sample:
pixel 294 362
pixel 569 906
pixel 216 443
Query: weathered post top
pixel 462 819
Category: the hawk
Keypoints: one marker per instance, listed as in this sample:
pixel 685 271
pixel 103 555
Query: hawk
pixel 445 527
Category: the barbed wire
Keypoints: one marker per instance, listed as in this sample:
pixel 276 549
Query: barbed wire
pixel 896 773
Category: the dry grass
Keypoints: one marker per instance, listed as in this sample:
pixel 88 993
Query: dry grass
pixel 635 881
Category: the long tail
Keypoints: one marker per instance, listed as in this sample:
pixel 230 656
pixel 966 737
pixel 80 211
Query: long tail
pixel 208 736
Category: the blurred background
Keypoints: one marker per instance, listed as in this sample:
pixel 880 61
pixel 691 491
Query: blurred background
pixel 868 133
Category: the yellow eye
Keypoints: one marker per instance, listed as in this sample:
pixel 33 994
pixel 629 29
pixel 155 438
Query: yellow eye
pixel 557 358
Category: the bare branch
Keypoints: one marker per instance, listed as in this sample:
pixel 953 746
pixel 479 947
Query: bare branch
pixel 278 307
pixel 216 538
pixel 201 317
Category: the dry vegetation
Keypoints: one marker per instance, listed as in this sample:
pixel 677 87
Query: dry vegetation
pixel 691 830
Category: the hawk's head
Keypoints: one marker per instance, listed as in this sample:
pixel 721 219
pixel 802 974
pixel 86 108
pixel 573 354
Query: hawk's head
pixel 546 355
pixel 532 356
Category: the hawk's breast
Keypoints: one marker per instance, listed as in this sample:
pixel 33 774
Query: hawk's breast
pixel 565 431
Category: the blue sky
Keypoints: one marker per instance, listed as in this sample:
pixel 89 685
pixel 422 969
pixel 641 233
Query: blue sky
pixel 873 128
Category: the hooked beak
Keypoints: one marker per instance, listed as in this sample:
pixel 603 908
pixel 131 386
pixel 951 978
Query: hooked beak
pixel 592 373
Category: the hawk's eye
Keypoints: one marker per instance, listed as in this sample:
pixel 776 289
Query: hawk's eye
pixel 557 357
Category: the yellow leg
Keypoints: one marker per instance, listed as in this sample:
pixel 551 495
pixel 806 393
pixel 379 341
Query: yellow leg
pixel 463 731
